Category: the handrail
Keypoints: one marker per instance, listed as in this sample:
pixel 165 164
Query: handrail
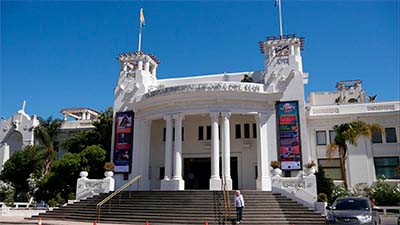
pixel 108 198
pixel 226 199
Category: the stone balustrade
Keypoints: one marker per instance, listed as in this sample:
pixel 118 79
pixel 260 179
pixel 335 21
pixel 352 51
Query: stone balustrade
pixel 86 188
pixel 302 189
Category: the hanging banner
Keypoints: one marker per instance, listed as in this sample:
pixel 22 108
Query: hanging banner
pixel 288 127
pixel 123 141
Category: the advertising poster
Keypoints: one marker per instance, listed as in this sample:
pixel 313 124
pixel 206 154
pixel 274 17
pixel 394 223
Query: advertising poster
pixel 123 142
pixel 289 135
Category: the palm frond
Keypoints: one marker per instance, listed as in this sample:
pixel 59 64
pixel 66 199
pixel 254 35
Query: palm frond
pixel 331 149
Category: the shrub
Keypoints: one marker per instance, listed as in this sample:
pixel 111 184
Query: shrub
pixel 385 194
pixel 324 184
pixel 339 191
pixel 6 192
pixel 311 164
pixel 56 201
pixel 275 164
pixel 360 189
pixel 109 166
pixel 71 196
pixel 322 197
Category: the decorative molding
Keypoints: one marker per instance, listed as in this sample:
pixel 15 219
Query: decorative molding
pixel 208 87
pixel 325 111
pixel 380 107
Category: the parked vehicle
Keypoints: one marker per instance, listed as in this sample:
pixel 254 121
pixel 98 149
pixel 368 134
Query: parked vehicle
pixel 352 210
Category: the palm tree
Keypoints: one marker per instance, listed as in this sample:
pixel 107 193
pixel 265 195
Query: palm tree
pixel 45 134
pixel 349 133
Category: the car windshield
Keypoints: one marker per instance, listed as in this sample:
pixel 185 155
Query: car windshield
pixel 351 204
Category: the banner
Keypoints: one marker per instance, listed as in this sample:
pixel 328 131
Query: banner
pixel 288 127
pixel 123 142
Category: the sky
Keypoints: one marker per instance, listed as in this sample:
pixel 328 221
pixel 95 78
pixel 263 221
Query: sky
pixel 62 54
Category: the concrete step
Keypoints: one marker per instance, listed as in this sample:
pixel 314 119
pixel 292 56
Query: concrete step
pixel 187 207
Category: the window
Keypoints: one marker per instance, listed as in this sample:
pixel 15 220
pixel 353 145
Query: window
pixel 386 166
pixel 390 135
pixel 126 176
pixel 331 168
pixel 208 132
pixel 246 130
pixel 376 137
pixel 254 130
pixel 321 137
pixel 200 133
pixel 173 134
pixel 332 135
pixel 164 134
pixel 238 131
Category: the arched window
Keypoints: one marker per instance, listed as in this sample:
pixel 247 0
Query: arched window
pixel 352 100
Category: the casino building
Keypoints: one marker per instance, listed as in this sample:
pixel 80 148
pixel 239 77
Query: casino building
pixel 199 132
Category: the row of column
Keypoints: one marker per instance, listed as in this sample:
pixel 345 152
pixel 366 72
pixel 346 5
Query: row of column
pixel 173 159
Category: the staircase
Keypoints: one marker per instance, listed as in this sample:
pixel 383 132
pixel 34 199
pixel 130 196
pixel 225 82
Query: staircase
pixel 188 207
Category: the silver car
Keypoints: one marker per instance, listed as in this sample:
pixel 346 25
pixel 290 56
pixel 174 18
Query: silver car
pixel 352 210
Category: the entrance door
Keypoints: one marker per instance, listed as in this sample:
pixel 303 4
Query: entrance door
pixel 197 173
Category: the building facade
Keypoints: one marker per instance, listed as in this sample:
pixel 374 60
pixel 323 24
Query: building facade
pixel 203 132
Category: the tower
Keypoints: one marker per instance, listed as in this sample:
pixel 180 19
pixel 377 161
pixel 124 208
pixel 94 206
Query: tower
pixel 284 74
pixel 282 60
pixel 137 76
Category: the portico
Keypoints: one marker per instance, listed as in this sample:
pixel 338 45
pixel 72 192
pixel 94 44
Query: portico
pixel 182 143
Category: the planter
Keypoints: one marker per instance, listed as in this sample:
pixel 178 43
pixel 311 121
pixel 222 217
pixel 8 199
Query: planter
pixel 309 171
pixel 83 174
pixel 276 172
pixel 108 173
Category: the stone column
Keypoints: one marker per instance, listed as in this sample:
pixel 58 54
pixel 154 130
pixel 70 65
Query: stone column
pixel 147 66
pixel 226 150
pixel 140 65
pixel 178 183
pixel 215 180
pixel 264 177
pixel 168 153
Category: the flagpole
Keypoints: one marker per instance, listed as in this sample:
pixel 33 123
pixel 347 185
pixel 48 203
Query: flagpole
pixel 140 37
pixel 141 22
pixel 280 18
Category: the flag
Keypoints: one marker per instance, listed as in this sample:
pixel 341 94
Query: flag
pixel 141 18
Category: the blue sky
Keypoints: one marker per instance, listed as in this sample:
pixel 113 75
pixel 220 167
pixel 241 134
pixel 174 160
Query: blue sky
pixel 59 54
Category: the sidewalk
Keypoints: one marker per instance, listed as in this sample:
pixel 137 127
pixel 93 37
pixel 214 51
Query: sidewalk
pixel 22 221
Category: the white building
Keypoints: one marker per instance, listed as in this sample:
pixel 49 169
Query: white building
pixel 16 133
pixel 192 132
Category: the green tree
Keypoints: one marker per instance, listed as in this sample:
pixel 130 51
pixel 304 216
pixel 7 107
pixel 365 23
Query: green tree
pixel 60 183
pixel 45 134
pixel 21 165
pixel 349 133
pixel 101 135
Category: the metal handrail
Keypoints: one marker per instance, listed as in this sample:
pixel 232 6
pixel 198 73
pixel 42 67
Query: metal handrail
pixel 226 199
pixel 111 196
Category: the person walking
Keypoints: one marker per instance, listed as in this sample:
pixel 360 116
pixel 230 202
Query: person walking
pixel 239 204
